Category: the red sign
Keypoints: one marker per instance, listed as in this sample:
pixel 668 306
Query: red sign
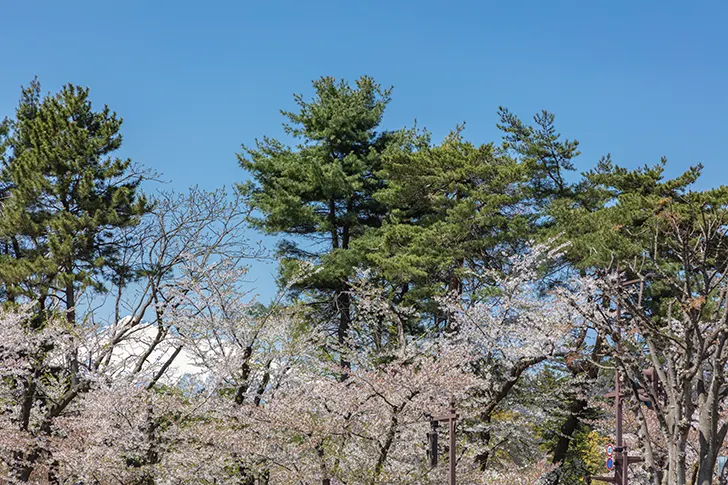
pixel 610 464
pixel 610 449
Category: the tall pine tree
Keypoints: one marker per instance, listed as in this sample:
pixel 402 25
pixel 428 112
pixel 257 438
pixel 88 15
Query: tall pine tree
pixel 65 197
pixel 322 190
pixel 454 209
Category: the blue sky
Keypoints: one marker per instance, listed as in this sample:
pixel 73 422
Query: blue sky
pixel 194 80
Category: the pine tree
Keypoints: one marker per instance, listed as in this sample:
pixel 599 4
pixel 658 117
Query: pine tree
pixel 454 209
pixel 6 244
pixel 322 190
pixel 66 196
pixel 461 207
pixel 547 157
pixel 607 218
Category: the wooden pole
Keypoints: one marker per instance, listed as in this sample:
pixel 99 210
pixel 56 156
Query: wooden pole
pixel 451 420
pixel 453 456
pixel 620 470
pixel 621 455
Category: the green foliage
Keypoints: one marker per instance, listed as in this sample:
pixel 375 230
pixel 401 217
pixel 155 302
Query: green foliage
pixel 324 187
pixel 453 208
pixel 459 208
pixel 422 217
pixel 323 190
pixel 642 222
pixel 66 195
pixel 609 218
pixel 546 156
pixel 585 457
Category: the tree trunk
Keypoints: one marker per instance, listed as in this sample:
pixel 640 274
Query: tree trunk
pixel 343 303
pixel 71 304
pixel 325 480
pixel 676 463
pixel 578 406
pixel 23 473
pixel 567 430
pixel 71 318
pixel 711 438
pixel 384 450
pixel 263 384
pixel 482 458
pixel 333 222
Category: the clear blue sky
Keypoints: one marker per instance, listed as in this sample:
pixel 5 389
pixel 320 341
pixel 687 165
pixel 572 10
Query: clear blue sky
pixel 194 80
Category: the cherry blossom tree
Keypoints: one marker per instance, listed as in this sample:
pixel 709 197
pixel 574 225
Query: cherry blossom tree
pixel 518 326
pixel 369 428
pixel 31 393
pixel 264 400
pixel 138 348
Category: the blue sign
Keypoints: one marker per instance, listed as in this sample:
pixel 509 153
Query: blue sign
pixel 610 464
pixel 722 461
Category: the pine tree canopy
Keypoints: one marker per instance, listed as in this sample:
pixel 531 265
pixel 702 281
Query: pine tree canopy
pixel 66 194
pixel 324 188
